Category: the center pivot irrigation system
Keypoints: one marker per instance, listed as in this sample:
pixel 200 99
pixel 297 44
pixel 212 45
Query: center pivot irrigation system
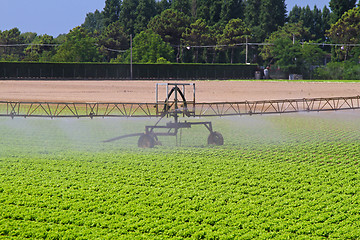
pixel 179 102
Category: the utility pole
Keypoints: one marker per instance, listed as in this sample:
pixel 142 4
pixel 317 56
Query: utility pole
pixel 247 50
pixel 131 58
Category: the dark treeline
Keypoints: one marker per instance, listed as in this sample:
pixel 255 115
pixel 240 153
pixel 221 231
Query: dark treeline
pixel 201 31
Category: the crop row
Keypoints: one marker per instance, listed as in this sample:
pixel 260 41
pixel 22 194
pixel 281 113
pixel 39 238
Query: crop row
pixel 276 177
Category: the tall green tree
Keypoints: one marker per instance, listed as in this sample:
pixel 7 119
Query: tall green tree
pixel 128 15
pixel 28 37
pixel 316 28
pixel 295 14
pixel 346 31
pixel 136 14
pixel 311 55
pixel 94 21
pixel 264 17
pixel 314 19
pixel 251 15
pixel 339 7
pixel 292 57
pixel 325 21
pixel 285 51
pixel 308 18
pixel 112 41
pixel 184 6
pixel 148 47
pixel 145 11
pixel 272 16
pixel 290 31
pixel 235 32
pixel 42 49
pixel 162 5
pixel 287 55
pixel 231 9
pixel 79 46
pixel 11 37
pixel 197 35
pixel 111 11
pixel 208 10
pixel 170 25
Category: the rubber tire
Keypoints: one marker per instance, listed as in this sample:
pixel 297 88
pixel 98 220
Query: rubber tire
pixel 146 141
pixel 215 138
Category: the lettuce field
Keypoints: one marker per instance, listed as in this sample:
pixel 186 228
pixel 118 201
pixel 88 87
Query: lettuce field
pixel 293 176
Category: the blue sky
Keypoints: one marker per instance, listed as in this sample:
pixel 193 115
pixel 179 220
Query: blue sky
pixel 54 17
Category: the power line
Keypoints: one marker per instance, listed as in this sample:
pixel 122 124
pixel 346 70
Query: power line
pixel 28 44
pixel 194 46
pixel 51 45
pixel 334 44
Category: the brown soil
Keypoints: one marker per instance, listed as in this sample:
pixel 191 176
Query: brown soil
pixel 144 91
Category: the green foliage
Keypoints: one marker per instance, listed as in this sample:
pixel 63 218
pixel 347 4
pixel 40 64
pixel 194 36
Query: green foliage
pixel 185 6
pixel 162 60
pixel 277 177
pixel 235 32
pixel 339 7
pixel 272 16
pixel 78 47
pixel 111 11
pixel 42 50
pixel 312 55
pixel 170 25
pixel 198 34
pixel 339 70
pixel 264 17
pixel 171 18
pixel 28 37
pixel 162 5
pixel 11 37
pixel 251 15
pixel 136 14
pixel 326 16
pixel 94 21
pixel 346 30
pixel 208 10
pixel 112 40
pixel 315 20
pixel 148 47
pixel 287 55
pixel 144 12
pixel 231 9
pixel 289 31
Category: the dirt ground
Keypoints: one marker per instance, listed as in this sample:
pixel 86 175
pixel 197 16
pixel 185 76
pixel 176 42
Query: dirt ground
pixel 144 91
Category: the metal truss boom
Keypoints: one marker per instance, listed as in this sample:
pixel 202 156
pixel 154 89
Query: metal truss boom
pixel 160 109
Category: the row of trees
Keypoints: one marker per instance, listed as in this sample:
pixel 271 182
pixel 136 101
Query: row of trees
pixel 206 31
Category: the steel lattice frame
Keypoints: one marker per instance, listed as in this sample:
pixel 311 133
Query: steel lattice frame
pixel 81 110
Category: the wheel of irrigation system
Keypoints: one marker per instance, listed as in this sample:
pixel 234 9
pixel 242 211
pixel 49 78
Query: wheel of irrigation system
pixel 215 138
pixel 146 141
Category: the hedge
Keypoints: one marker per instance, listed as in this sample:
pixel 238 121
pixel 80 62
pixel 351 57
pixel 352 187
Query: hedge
pixel 26 70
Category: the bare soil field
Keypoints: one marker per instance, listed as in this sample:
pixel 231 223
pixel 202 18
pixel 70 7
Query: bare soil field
pixel 144 91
